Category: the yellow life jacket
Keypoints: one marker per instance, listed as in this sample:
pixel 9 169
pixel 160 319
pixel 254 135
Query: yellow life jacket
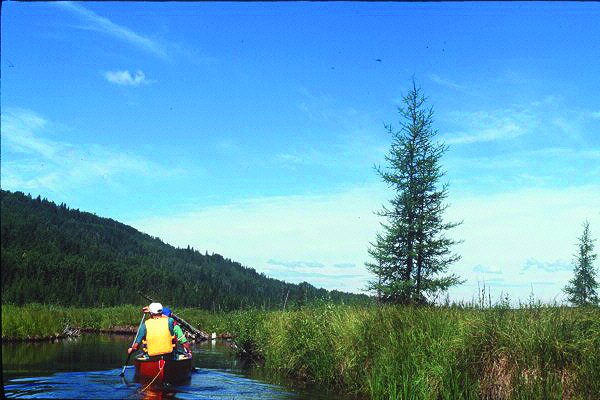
pixel 158 337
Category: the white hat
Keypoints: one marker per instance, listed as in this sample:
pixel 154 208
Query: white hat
pixel 155 308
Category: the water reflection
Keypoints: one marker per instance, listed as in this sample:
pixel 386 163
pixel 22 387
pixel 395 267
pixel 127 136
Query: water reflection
pixel 89 367
pixel 205 384
pixel 85 353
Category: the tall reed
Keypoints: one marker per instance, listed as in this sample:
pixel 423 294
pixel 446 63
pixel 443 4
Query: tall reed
pixel 37 321
pixel 389 352
pixel 432 353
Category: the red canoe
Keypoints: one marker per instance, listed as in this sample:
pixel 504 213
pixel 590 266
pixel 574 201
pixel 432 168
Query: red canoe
pixel 167 371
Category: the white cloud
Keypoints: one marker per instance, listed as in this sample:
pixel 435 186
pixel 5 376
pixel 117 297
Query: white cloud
pixel 482 269
pixel 444 82
pixel 228 145
pixel 308 156
pixel 349 151
pixel 18 127
pixel 31 160
pixel 501 230
pixel 549 166
pixel 550 100
pixel 335 113
pixel 487 126
pixel 509 230
pixel 545 118
pixel 296 264
pixel 345 265
pixel 104 25
pixel 552 266
pixel 125 78
pixel 329 230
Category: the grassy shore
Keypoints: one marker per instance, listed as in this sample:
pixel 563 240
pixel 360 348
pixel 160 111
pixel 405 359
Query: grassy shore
pixel 432 353
pixel 37 321
pixel 391 352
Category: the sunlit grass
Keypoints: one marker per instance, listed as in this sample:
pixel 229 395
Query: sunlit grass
pixel 432 353
pixel 389 352
pixel 36 321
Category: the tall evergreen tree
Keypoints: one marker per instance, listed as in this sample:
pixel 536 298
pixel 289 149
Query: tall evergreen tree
pixel 581 290
pixel 412 253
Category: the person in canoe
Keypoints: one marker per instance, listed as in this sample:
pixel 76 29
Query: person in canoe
pixel 159 333
pixel 166 311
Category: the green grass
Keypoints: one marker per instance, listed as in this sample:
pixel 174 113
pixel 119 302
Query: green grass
pixel 32 321
pixel 432 353
pixel 390 352
pixel 36 321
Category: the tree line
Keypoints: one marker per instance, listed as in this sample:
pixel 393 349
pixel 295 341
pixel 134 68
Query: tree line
pixel 56 255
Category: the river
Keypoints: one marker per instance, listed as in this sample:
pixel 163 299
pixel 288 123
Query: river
pixel 89 367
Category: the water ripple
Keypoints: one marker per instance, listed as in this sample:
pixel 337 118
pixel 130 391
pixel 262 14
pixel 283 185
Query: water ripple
pixel 204 384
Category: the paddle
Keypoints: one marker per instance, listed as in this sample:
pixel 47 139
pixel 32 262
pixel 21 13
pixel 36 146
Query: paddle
pixel 136 334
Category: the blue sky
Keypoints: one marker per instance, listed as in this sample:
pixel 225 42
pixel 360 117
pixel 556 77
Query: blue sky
pixel 251 129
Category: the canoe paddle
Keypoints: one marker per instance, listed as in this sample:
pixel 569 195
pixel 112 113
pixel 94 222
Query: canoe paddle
pixel 129 355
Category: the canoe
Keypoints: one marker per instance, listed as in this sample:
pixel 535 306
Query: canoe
pixel 163 371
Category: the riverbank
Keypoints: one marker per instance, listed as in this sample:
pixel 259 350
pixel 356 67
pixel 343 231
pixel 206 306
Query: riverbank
pixel 34 322
pixel 391 352
pixel 431 353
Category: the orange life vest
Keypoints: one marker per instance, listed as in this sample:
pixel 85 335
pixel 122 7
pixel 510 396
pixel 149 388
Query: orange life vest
pixel 158 337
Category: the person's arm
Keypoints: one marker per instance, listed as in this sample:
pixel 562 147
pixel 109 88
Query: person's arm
pixel 133 348
pixel 187 348
pixel 138 339
pixel 182 339
pixel 179 334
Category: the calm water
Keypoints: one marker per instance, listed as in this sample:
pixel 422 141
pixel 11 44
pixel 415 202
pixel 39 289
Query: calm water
pixel 88 367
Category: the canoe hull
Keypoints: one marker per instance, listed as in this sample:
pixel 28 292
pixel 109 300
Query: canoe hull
pixel 172 370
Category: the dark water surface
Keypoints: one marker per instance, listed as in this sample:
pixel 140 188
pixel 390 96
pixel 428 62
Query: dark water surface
pixel 88 367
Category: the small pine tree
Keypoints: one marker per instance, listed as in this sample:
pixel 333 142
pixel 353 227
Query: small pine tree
pixel 581 290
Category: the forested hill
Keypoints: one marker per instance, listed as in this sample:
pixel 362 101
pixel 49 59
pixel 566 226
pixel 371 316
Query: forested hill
pixel 57 255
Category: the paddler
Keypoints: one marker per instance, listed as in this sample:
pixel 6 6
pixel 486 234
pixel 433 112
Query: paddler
pixel 158 333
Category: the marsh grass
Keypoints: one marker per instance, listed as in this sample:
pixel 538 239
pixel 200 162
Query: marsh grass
pixel 389 352
pixel 33 321
pixel 37 321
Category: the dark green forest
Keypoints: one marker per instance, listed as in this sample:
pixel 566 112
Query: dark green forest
pixel 57 255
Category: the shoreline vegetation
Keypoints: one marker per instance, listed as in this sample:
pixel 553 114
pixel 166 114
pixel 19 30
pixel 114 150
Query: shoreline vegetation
pixel 58 255
pixel 38 322
pixel 386 352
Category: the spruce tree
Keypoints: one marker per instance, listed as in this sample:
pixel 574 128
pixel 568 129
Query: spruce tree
pixel 581 290
pixel 412 253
